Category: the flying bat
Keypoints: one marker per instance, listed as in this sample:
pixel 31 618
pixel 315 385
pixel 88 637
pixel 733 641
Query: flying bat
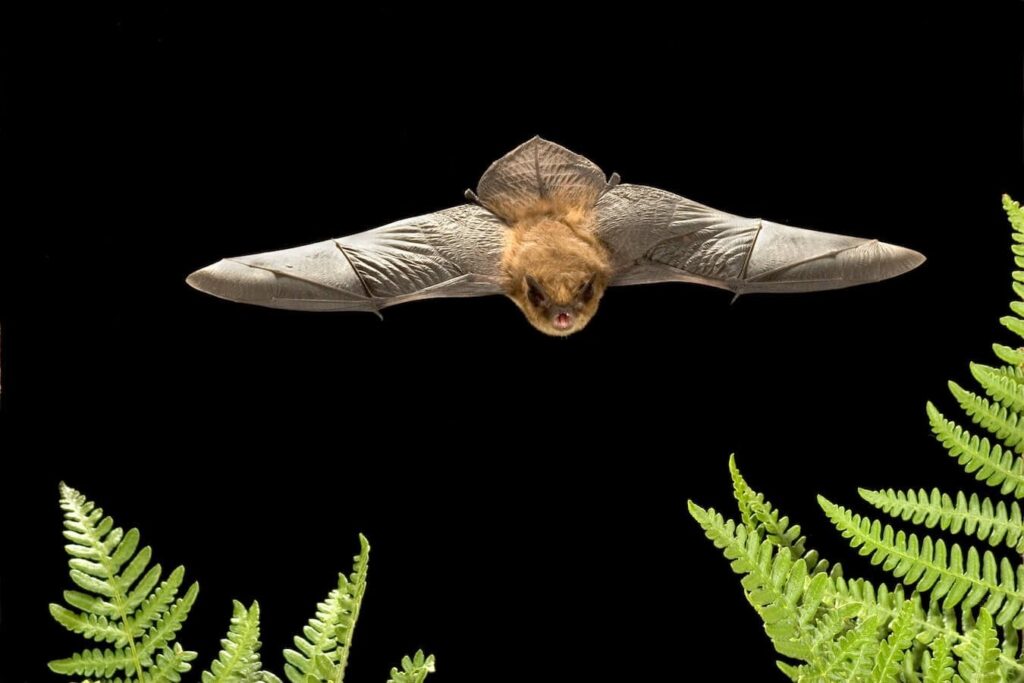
pixel 548 230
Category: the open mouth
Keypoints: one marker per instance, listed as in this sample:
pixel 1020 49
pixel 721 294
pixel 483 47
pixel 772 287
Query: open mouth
pixel 562 321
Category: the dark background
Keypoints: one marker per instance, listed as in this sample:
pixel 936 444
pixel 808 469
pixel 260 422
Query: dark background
pixel 525 496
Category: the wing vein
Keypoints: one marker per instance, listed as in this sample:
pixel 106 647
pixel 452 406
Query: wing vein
pixel 366 289
pixel 750 252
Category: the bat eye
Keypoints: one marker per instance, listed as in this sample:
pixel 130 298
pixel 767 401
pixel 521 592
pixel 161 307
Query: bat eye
pixel 534 292
pixel 587 291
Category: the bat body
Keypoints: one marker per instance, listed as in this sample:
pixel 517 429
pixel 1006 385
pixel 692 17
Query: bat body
pixel 548 230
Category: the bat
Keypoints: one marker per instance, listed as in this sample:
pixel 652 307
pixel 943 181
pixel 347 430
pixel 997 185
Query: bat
pixel 548 230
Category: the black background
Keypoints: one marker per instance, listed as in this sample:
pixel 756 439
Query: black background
pixel 525 496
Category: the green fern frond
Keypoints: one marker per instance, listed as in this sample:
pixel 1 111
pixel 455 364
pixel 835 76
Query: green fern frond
pixel 239 658
pixel 974 516
pixel 775 584
pixel 322 650
pixel 414 670
pixel 979 653
pixel 991 464
pixel 928 564
pixel 996 384
pixel 759 515
pixel 117 603
pixel 893 649
pixel 1002 423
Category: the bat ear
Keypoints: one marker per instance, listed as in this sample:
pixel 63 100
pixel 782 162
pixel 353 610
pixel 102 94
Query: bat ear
pixel 536 171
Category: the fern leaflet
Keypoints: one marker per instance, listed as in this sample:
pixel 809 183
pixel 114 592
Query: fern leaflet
pixel 893 649
pixel 1006 353
pixel 979 653
pixel 414 669
pixel 989 463
pixel 939 666
pixel 996 418
pixel 975 516
pixel 999 386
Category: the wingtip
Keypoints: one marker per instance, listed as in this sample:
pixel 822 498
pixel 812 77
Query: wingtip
pixel 899 259
pixel 918 258
pixel 228 279
pixel 193 280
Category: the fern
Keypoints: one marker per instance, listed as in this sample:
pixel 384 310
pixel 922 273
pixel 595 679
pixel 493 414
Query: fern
pixel 323 648
pixel 119 601
pixel 849 629
pixel 967 576
pixel 837 629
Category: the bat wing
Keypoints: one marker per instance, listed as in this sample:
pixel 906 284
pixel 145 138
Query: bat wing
pixel 656 236
pixel 451 253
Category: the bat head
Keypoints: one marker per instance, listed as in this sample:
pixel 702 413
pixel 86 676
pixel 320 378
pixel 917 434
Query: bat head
pixel 557 277
pixel 562 304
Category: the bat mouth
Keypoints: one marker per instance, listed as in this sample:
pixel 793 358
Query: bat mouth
pixel 563 321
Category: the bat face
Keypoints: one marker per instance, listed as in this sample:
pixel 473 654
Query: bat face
pixel 556 271
pixel 560 305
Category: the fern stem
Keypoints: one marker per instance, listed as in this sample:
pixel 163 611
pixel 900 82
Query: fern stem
pixel 357 601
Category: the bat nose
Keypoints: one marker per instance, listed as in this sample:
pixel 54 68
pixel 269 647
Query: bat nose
pixel 563 320
pixel 234 281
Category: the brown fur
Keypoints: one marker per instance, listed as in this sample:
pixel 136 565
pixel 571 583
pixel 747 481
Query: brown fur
pixel 556 246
